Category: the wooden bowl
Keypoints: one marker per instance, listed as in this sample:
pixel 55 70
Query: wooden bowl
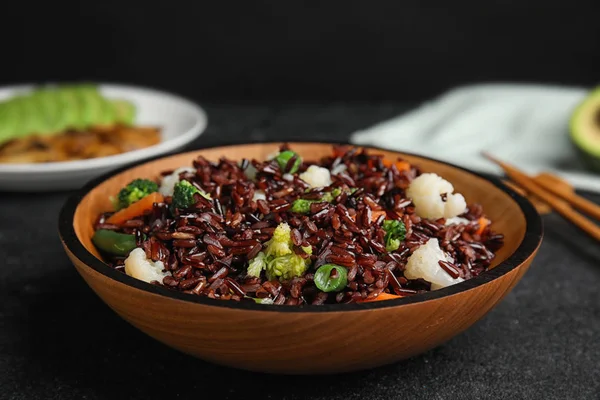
pixel 311 339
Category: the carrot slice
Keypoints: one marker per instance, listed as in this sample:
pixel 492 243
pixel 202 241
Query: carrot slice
pixel 136 209
pixel 483 223
pixel 381 297
pixel 401 165
pixel 376 214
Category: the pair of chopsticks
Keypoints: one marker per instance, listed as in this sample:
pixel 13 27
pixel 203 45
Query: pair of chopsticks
pixel 560 200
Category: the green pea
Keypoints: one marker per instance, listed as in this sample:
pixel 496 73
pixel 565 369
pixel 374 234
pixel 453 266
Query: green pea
pixel 112 242
pixel 285 156
pixel 329 281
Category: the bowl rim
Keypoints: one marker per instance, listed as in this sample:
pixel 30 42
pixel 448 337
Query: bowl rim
pixel 183 138
pixel 528 246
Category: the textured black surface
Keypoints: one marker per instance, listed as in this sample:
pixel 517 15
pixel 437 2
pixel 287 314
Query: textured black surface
pixel 59 341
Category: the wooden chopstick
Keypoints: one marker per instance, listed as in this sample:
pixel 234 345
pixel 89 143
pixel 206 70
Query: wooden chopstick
pixel 583 204
pixel 555 199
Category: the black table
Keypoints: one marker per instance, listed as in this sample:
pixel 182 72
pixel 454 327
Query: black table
pixel 59 341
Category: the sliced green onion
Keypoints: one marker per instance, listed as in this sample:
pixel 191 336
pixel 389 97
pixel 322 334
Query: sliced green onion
pixel 284 157
pixel 331 278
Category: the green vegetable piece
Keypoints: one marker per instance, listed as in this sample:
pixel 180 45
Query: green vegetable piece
pixel 395 231
pixel 285 156
pixel 257 264
pixel 183 195
pixel 302 206
pixel 330 196
pixel 286 267
pixel 134 191
pixel 280 243
pixel 331 278
pixel 112 242
pixel 279 260
pixel 262 301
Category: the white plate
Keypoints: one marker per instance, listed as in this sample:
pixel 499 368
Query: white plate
pixel 181 122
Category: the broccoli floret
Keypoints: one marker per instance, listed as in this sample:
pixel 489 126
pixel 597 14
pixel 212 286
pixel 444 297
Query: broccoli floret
pixel 257 264
pixel 302 206
pixel 281 242
pixel 279 260
pixel 134 191
pixel 286 267
pixel 183 194
pixel 394 234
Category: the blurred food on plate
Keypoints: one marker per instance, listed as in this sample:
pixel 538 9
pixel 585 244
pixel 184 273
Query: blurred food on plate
pixel 69 122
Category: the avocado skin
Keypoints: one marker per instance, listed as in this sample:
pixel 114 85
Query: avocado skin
pixel 590 161
pixel 587 149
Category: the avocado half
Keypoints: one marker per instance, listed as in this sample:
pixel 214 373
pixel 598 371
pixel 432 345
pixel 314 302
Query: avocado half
pixel 585 130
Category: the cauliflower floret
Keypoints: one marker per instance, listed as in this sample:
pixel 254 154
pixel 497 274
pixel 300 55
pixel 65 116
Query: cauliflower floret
pixel 168 182
pixel 316 176
pixel 425 192
pixel 457 221
pixel 423 263
pixel 338 169
pixel 259 195
pixel 139 267
pixel 271 156
pixel 250 172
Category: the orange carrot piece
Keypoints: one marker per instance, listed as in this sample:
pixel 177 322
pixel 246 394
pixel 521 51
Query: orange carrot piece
pixel 376 214
pixel 381 297
pixel 483 223
pixel 135 209
pixel 401 165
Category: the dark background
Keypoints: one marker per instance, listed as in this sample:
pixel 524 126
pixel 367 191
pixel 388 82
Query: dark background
pixel 405 50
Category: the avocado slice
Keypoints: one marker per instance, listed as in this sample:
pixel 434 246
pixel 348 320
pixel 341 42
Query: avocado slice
pixel 70 108
pixel 49 111
pixel 585 130
pixel 91 104
pixel 124 111
pixel 35 117
pixel 107 116
pixel 8 120
pixel 30 119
